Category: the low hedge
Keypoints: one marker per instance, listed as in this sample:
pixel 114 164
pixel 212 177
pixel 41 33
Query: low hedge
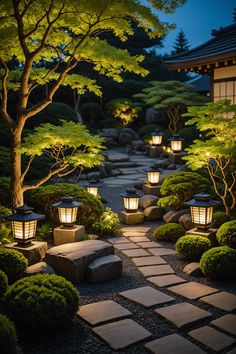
pixel 108 223
pixel 219 262
pixel 41 302
pixel 226 234
pixel 13 263
pixel 7 336
pixel 3 283
pixel 219 218
pixel 168 232
pixel 192 247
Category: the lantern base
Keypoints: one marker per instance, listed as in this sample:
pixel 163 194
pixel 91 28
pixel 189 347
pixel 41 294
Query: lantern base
pixel 63 235
pixel 176 158
pixel 155 151
pixel 152 189
pixel 207 233
pixel 34 252
pixel 136 217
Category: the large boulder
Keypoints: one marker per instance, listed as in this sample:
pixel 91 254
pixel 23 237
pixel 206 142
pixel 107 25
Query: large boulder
pixel 147 201
pixel 71 259
pixel 153 213
pixel 39 268
pixel 131 132
pixel 138 145
pixel 125 139
pixel 109 133
pixel 167 216
pixel 173 216
pixel 104 268
pixel 186 221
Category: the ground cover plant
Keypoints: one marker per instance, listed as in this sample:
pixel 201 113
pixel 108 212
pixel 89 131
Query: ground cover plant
pixel 192 247
pixel 168 232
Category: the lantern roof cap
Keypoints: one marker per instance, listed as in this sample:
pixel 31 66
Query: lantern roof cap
pixel 131 193
pixel 157 132
pixel 93 183
pixel 176 137
pixel 153 168
pixel 202 200
pixel 24 213
pixel 67 202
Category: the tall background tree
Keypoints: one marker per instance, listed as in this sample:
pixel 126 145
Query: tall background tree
pixel 64 34
pixel 181 43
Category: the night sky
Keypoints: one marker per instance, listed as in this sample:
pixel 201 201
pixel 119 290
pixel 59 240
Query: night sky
pixel 197 18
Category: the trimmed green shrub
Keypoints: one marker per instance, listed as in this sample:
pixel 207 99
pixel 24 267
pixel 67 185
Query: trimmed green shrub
pixel 5 236
pixel 13 263
pixel 226 234
pixel 7 336
pixel 44 233
pixel 219 218
pixel 42 199
pixel 108 224
pixel 168 232
pixel 5 191
pixel 3 283
pixel 192 247
pixel 219 262
pixel 4 212
pixel 171 202
pixel 41 302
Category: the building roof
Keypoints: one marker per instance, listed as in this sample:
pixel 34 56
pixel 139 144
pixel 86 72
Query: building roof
pixel 201 83
pixel 218 51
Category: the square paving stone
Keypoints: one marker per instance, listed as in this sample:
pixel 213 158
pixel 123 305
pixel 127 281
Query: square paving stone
pixel 120 334
pixel 222 300
pixel 227 323
pixel 162 251
pixel 183 314
pixel 156 270
pixel 146 296
pixel 135 253
pixel 192 290
pixel 173 344
pixel 115 240
pixel 130 234
pixel 142 229
pixel 139 239
pixel 147 261
pixel 125 246
pixel 212 338
pixel 166 280
pixel 148 244
pixel 102 311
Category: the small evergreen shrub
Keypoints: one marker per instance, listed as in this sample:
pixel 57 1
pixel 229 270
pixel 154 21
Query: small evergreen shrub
pixel 171 202
pixel 44 233
pixel 3 283
pixel 4 212
pixel 219 218
pixel 7 336
pixel 108 224
pixel 5 236
pixel 192 247
pixel 219 262
pixel 41 302
pixel 13 263
pixel 226 234
pixel 168 232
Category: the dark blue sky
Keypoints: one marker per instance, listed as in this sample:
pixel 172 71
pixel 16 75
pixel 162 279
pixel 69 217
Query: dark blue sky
pixel 197 18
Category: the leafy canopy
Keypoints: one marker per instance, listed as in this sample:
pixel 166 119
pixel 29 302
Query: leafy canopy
pixel 123 109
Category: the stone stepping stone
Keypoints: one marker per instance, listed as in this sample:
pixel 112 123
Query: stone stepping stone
pixel 192 290
pixel 162 251
pixel 118 182
pixel 148 244
pixel 135 253
pixel 133 234
pixel 173 344
pixel 102 311
pixel 104 268
pixel 139 239
pixel 152 270
pixel 142 229
pixel 212 338
pixel 146 296
pixel 166 280
pixel 227 323
pixel 120 334
pixel 125 246
pixel 147 261
pixel 115 240
pixel 183 314
pixel 222 300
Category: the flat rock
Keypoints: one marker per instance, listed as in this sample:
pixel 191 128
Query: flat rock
pixel 116 157
pixel 39 268
pixel 222 300
pixel 183 314
pixel 152 270
pixel 71 260
pixel 148 244
pixel 192 269
pixel 166 280
pixel 162 251
pixel 125 246
pixel 121 334
pixel 147 201
pixel 227 323
pixel 135 253
pixel 212 338
pixel 174 344
pixel 115 240
pixel 135 229
pixel 146 296
pixel 153 213
pixel 139 239
pixel 102 311
pixel 104 268
pixel 147 261
pixel 192 290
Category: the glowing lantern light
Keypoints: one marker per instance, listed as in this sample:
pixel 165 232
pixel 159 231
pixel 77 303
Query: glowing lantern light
pixel 176 143
pixel 93 187
pixel 157 137
pixel 153 175
pixel 130 199
pixel 67 210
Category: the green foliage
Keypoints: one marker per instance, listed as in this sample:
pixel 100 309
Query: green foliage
pixel 172 202
pixel 90 112
pixel 219 218
pixel 226 234
pixel 5 191
pixel 3 283
pixel 108 223
pixel 5 236
pixel 219 262
pixel 13 263
pixel 42 199
pixel 123 109
pixel 189 134
pixel 44 233
pixel 147 129
pixel 168 232
pixel 181 43
pixel 4 212
pixel 192 247
pixel 182 185
pixel 7 336
pixel 41 302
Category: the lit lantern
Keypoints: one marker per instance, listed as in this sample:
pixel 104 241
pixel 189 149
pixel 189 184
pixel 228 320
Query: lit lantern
pixel 93 187
pixel 131 199
pixel 153 174
pixel 157 136
pixel 24 224
pixel 67 210
pixel 176 143
pixel 201 210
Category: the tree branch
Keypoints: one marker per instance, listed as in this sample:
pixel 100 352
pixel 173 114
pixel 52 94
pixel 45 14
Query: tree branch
pixel 7 120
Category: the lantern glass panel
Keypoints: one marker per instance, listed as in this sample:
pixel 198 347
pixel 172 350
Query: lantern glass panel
pixel 153 177
pixel 24 230
pixel 67 215
pixel 93 190
pixel 201 216
pixel 156 139
pixel 131 203
pixel 176 145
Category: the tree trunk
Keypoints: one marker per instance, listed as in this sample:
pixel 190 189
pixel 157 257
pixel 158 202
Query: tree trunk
pixel 16 183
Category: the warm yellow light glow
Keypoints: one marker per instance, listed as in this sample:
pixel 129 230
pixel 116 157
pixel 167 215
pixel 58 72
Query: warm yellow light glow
pixel 153 177
pixel 176 145
pixel 156 139
pixel 93 190
pixel 168 149
pixel 131 203
pixel 67 215
pixel 24 230
pixel 201 215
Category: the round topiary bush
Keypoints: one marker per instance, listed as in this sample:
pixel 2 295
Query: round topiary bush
pixel 219 262
pixel 168 232
pixel 192 247
pixel 226 234
pixel 41 302
pixel 3 283
pixel 13 263
pixel 219 218
pixel 108 224
pixel 7 336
